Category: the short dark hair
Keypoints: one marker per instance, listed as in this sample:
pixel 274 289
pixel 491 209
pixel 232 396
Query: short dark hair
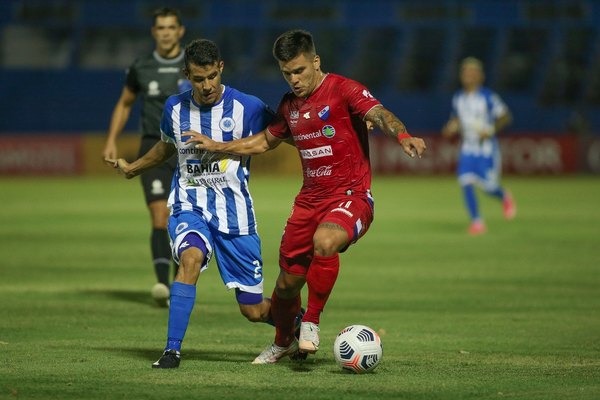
pixel 293 43
pixel 166 12
pixel 201 52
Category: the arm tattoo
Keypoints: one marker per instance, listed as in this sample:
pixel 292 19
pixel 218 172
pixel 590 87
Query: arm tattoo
pixel 387 122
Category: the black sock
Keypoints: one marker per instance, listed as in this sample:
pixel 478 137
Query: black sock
pixel 161 254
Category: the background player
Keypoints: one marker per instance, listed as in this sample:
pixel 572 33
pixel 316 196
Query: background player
pixel 478 114
pixel 153 77
pixel 211 206
pixel 324 116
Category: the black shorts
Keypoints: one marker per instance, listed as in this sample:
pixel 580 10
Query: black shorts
pixel 156 181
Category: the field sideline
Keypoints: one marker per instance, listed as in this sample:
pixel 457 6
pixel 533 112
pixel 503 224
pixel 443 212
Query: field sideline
pixel 513 314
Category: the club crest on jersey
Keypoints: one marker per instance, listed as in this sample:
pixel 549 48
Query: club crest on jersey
pixel 328 131
pixel 227 124
pixel 324 113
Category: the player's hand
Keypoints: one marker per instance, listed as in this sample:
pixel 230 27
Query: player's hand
pixel 203 142
pixel 413 145
pixel 110 150
pixel 487 133
pixel 451 128
pixel 121 165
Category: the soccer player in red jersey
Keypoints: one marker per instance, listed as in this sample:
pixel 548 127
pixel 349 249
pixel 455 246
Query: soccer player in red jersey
pixel 325 116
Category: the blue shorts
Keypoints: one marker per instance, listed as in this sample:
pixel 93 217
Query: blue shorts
pixel 238 256
pixel 483 170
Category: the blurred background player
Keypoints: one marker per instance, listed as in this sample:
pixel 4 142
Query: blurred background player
pixel 324 117
pixel 211 206
pixel 478 114
pixel 154 78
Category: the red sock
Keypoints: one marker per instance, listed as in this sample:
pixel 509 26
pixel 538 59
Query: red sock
pixel 321 277
pixel 284 313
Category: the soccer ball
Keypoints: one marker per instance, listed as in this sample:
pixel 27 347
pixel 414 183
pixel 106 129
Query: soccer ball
pixel 357 348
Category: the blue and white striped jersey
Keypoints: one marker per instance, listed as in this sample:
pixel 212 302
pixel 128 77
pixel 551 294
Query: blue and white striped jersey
pixel 477 111
pixel 214 184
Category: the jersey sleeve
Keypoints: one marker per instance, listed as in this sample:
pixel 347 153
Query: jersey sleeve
pixel 279 126
pixel 499 108
pixel 360 100
pixel 259 117
pixel 166 123
pixel 131 78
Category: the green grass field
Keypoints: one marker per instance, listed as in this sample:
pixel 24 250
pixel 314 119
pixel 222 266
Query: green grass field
pixel 514 314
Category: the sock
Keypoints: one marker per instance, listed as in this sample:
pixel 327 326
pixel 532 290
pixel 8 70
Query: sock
pixel 183 297
pixel 161 254
pixel 498 192
pixel 471 202
pixel 283 312
pixel 321 277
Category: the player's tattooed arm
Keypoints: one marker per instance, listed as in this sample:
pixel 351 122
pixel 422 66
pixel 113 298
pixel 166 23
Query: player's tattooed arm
pixel 387 122
pixel 391 126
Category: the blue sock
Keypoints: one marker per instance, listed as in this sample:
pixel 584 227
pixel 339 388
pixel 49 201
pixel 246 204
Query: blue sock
pixel 498 192
pixel 471 202
pixel 183 297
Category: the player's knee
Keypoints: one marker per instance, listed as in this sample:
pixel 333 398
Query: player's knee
pixel 190 261
pixel 288 286
pixel 325 245
pixel 252 313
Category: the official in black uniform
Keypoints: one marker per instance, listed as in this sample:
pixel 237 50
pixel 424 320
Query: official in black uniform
pixel 154 78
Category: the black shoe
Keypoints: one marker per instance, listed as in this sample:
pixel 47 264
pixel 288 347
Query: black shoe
pixel 169 359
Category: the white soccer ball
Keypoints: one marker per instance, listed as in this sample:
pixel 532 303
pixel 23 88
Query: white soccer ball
pixel 358 348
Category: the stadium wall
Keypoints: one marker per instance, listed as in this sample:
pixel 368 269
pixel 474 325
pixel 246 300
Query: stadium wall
pixel 522 154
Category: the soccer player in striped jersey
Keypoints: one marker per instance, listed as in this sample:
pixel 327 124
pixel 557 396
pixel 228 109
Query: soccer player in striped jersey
pixel 211 206
pixel 325 116
pixel 477 115
pixel 153 78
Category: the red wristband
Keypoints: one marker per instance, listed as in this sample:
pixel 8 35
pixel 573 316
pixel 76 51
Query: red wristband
pixel 404 135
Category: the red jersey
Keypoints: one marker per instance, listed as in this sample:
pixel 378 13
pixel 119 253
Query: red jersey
pixel 330 134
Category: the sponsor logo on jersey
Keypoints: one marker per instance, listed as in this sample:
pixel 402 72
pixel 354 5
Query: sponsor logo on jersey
pixel 168 70
pixel 328 131
pixel 227 124
pixel 153 89
pixel 324 113
pixel 306 136
pixel 306 115
pixel 324 170
pixel 196 167
pixel 317 152
pixel 294 115
pixel 367 94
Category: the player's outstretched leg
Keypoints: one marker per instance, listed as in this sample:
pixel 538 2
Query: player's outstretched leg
pixel 509 206
pixel 274 353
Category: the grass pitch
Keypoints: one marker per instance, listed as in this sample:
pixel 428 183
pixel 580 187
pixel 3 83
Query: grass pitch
pixel 513 314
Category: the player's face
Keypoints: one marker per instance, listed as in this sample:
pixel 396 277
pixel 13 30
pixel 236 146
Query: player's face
pixel 167 33
pixel 206 82
pixel 471 76
pixel 302 73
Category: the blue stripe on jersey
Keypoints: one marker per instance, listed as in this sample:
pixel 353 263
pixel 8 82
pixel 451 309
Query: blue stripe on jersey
pixel 211 204
pixel 206 121
pixel 232 221
pixel 249 210
pixel 184 119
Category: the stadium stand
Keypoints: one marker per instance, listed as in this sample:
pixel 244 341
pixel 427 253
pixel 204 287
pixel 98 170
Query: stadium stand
pixel 542 56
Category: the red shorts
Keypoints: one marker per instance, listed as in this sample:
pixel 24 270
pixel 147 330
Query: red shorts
pixel 352 212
